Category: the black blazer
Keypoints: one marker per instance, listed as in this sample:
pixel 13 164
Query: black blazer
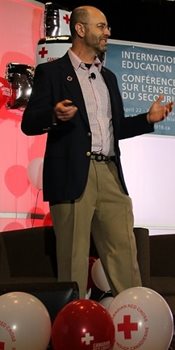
pixel 68 146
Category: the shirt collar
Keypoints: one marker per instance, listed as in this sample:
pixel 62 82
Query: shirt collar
pixel 77 63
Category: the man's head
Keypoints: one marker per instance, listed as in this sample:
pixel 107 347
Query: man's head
pixel 89 28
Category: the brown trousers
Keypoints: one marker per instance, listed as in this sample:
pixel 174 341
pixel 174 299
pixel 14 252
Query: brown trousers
pixel 104 211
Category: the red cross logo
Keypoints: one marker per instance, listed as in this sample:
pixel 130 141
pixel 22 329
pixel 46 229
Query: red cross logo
pixel 42 52
pixel 87 338
pixel 2 345
pixel 66 18
pixel 127 326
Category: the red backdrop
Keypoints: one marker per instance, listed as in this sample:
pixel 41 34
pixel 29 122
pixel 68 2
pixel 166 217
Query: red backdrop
pixel 21 202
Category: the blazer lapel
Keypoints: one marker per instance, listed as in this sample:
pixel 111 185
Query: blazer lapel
pixel 72 85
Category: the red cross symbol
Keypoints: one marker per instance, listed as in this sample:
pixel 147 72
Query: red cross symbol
pixel 66 18
pixel 42 52
pixel 87 338
pixel 2 345
pixel 127 327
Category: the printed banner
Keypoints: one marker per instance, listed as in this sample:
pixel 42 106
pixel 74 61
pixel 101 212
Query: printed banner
pixel 144 72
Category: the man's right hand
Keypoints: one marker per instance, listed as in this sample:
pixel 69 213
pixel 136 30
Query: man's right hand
pixel 65 110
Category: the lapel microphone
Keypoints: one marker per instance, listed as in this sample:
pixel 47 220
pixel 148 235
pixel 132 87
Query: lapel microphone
pixel 92 76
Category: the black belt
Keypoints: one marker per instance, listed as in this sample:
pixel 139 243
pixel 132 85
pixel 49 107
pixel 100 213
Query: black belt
pixel 99 157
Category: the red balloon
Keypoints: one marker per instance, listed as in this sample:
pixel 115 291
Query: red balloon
pixel 83 324
pixel 5 91
pixel 16 180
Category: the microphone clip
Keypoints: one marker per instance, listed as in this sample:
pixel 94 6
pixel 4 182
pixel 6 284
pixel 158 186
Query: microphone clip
pixel 92 76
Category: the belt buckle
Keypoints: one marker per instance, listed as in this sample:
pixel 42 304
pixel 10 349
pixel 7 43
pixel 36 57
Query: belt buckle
pixel 99 157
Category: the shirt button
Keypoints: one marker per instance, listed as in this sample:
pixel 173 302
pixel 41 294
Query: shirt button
pixel 89 134
pixel 88 154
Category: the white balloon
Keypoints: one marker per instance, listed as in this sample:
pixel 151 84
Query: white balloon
pixel 99 277
pixel 106 302
pixel 35 172
pixel 142 319
pixel 24 322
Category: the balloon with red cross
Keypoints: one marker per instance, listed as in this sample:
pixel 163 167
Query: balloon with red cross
pixel 142 319
pixel 25 323
pixel 83 325
pixel 57 34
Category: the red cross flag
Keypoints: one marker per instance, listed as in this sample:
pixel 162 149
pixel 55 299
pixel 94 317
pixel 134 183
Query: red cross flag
pixel 51 49
pixel 64 22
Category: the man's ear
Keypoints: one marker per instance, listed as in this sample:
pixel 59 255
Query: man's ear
pixel 80 29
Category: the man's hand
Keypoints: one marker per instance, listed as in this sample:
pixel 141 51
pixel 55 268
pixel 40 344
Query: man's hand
pixel 65 110
pixel 159 111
